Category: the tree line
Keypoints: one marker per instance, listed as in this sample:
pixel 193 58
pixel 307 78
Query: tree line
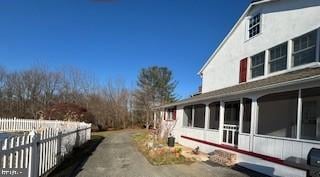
pixel 72 94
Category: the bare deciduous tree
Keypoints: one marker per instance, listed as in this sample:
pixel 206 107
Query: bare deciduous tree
pixel 27 93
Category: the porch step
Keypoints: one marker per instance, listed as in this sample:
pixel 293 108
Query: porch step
pixel 223 158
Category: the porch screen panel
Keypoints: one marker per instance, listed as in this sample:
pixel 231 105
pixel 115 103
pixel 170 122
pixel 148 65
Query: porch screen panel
pixel 199 115
pixel 310 123
pixel 169 114
pixel 187 119
pixel 214 115
pixel 278 114
pixel 246 123
pixel 231 114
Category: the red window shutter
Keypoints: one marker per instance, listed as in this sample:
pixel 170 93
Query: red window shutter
pixel 243 70
pixel 174 114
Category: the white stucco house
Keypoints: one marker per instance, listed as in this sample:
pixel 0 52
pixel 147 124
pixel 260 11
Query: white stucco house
pixel 260 96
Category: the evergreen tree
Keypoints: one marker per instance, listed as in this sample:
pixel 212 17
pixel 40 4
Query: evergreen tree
pixel 155 87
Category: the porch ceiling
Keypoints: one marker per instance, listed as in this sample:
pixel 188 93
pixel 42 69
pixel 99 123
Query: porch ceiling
pixel 293 77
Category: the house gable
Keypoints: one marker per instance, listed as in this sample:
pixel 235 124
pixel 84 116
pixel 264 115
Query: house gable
pixel 254 3
pixel 277 16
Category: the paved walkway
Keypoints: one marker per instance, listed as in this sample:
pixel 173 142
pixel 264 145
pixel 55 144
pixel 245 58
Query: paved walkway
pixel 117 156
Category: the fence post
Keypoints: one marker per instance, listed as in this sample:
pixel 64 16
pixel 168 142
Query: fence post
pixel 89 132
pixel 14 124
pixel 59 141
pixel 33 165
pixel 77 142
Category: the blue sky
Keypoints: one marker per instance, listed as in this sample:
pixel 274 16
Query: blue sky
pixel 114 39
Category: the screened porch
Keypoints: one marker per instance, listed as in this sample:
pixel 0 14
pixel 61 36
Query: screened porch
pixel 279 124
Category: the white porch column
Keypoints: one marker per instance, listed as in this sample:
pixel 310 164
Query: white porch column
pixel 299 115
pixel 289 54
pixel 221 121
pixel 254 121
pixel 241 116
pixel 207 117
pixel 206 122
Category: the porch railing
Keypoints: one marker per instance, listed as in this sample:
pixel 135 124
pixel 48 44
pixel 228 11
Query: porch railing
pixel 230 134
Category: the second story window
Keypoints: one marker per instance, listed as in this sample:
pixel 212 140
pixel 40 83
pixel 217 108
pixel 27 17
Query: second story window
pixel 304 49
pixel 257 65
pixel 278 58
pixel 254 25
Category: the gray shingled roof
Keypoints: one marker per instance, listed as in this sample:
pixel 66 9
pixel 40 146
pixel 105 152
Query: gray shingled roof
pixel 272 81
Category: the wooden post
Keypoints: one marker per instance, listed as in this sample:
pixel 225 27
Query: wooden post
pixel 89 132
pixel 221 121
pixel 207 117
pixel 5 147
pixel 206 121
pixel 33 164
pixel 77 143
pixel 14 124
pixel 241 115
pixel 59 141
pixel 254 121
pixel 299 115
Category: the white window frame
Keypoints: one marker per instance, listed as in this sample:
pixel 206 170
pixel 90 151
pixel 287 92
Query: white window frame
pixel 255 25
pixel 259 65
pixel 290 58
pixel 315 46
pixel 270 61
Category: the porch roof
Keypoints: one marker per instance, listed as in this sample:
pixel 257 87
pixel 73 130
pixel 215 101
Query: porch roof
pixel 288 78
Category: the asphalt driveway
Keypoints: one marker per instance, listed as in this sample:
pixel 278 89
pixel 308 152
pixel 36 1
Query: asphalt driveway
pixel 117 156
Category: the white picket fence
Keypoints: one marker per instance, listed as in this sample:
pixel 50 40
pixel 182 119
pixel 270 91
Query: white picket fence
pixel 39 145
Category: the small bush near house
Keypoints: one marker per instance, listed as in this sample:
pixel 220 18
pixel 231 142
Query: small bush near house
pixel 158 153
